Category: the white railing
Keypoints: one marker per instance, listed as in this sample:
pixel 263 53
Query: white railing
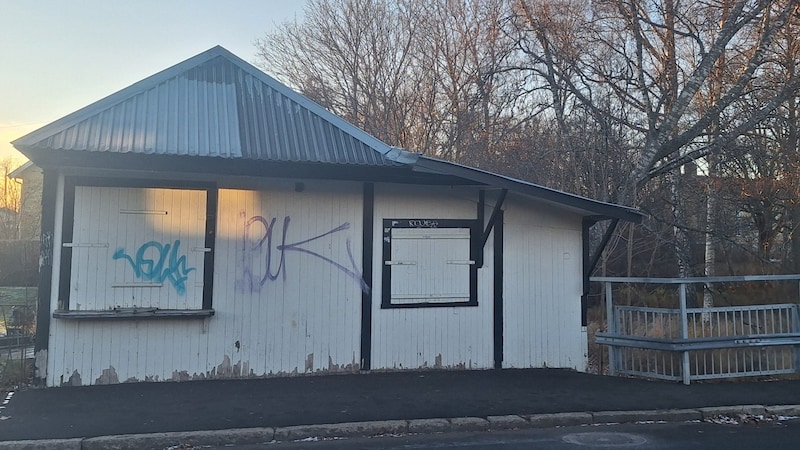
pixel 686 344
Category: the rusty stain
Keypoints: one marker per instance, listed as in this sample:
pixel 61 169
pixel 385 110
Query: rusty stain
pixel 108 376
pixel 310 362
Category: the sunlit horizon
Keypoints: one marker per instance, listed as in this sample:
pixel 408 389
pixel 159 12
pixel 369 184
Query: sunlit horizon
pixel 59 57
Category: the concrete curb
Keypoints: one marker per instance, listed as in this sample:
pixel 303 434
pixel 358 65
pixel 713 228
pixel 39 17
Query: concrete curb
pixel 241 436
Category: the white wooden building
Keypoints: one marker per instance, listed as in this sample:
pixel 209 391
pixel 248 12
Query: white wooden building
pixel 209 222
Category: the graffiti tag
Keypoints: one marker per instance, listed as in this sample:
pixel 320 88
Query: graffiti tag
pixel 274 254
pixel 159 265
pixel 423 223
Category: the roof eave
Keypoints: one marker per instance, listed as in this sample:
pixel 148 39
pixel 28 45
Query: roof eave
pixel 595 209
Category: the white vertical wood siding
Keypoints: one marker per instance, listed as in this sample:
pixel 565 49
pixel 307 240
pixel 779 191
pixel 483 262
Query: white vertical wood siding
pixel 289 300
pixel 288 284
pixel 286 302
pixel 542 288
pixel 430 337
pixel 430 265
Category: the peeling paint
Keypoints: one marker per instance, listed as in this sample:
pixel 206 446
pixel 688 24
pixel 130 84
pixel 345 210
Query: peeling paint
pixel 438 363
pixel 225 369
pixel 40 364
pixel 108 376
pixel 237 369
pixel 74 379
pixel 352 367
pixel 180 376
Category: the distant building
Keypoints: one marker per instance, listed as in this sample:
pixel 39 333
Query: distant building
pixel 30 211
pixel 8 223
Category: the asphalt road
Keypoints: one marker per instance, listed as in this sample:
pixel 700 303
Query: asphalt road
pixel 71 412
pixel 688 436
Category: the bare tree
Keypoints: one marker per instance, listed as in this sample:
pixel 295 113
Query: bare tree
pixel 601 98
pixel 355 58
pixel 656 58
pixel 427 75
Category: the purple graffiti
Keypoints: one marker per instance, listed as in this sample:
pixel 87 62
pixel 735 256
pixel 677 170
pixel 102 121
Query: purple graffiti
pixel 266 246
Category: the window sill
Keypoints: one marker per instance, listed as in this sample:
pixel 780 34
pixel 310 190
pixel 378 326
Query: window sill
pixel 133 313
pixel 427 305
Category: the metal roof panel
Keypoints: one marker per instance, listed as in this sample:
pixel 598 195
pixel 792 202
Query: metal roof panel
pixel 211 105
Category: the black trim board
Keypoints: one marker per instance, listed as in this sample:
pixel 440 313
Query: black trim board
pixel 486 229
pixel 367 244
pixel 498 292
pixel 69 221
pixel 586 226
pixel 49 193
pixel 208 167
pixel 590 261
pixel 67 228
pixel 212 199
pixel 133 313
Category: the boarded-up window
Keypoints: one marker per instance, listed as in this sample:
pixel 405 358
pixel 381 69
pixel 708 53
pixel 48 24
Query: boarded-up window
pixel 429 262
pixel 136 248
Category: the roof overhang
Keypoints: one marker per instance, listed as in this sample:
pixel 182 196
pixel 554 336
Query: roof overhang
pixel 583 206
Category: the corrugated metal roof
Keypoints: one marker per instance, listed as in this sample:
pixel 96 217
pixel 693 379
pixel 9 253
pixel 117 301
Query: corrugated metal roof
pixel 212 105
pixel 217 105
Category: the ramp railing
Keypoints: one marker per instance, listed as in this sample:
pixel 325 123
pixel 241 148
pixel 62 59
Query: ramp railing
pixel 685 344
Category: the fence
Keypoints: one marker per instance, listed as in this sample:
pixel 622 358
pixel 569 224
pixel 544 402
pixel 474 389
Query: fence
pixel 17 328
pixel 686 344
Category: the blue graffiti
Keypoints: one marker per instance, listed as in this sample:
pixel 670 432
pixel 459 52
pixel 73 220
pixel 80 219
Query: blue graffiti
pixel 167 265
pixel 269 248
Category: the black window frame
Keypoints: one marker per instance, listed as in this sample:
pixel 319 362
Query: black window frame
pixel 474 241
pixel 63 310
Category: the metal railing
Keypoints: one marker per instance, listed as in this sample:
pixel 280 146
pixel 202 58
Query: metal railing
pixel 686 344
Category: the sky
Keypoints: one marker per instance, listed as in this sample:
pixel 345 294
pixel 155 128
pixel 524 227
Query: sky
pixel 58 56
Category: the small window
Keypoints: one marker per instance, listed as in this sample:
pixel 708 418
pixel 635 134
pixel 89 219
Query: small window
pixel 429 262
pixel 136 251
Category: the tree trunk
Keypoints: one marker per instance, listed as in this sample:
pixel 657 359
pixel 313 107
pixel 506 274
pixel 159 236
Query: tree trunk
pixel 682 245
